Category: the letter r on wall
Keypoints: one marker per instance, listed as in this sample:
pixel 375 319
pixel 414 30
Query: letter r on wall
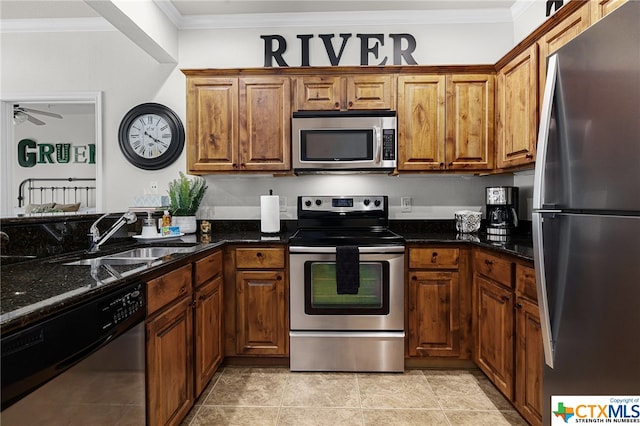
pixel 270 53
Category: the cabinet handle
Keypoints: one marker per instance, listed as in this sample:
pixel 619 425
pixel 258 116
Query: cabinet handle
pixel 505 298
pixel 350 104
pixel 243 166
pixel 451 164
pixel 234 165
pixel 337 105
pixel 434 257
pixel 529 156
pixel 259 254
pixel 183 289
pixel 488 262
pixel 414 278
pixel 279 278
pixel 441 165
pixel 518 305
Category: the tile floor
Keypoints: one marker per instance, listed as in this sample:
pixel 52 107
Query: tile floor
pixel 276 396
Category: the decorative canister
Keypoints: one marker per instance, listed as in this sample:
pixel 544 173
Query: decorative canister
pixel 467 221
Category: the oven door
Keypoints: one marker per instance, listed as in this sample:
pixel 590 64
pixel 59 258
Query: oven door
pixel 316 305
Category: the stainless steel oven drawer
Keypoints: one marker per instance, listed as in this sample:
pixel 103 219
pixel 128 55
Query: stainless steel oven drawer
pixel 347 351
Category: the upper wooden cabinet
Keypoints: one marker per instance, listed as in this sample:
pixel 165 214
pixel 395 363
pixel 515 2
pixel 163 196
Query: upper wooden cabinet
pixel 445 122
pixel 517 110
pixel 560 35
pixel 421 122
pixel 601 8
pixel 357 92
pixel 469 122
pixel 238 124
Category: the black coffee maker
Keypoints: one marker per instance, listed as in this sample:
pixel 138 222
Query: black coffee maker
pixel 502 210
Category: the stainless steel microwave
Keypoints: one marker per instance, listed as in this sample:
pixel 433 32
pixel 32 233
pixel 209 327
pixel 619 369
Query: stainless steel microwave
pixel 344 141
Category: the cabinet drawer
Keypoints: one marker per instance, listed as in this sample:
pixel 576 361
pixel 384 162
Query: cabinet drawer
pixel 208 268
pixel 434 258
pixel 526 282
pixel 496 268
pixel 167 288
pixel 252 258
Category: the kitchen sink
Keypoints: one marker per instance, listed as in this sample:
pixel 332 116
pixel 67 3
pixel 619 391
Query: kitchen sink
pixel 150 252
pixel 132 256
pixel 106 260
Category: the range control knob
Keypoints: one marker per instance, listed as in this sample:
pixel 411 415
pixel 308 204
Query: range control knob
pixel 377 203
pixel 366 201
pixel 307 203
pixel 318 202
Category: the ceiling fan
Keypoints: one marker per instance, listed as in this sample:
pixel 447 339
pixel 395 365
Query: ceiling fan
pixel 21 114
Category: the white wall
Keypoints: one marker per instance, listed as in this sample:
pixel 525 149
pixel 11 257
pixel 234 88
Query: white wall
pixel 127 76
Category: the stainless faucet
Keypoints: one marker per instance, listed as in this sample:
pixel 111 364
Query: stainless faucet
pixel 96 240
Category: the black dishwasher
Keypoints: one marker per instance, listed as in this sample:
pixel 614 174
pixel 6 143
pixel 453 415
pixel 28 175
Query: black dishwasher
pixel 82 366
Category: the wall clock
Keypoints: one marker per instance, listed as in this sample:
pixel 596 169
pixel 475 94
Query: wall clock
pixel 151 136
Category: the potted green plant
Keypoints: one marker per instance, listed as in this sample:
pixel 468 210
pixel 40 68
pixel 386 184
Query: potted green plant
pixel 185 196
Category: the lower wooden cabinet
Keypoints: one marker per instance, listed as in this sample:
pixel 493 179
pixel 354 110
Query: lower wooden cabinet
pixel 261 313
pixel 169 357
pixel 494 333
pixel 529 362
pixel 508 336
pixel 529 353
pixel 434 314
pixel 207 333
pixel 256 287
pixel 184 337
pixel 438 302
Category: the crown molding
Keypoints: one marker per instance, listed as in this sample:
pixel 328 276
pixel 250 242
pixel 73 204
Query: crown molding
pixel 55 25
pixel 315 19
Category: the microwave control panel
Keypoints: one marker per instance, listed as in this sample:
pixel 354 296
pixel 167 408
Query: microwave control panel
pixel 388 144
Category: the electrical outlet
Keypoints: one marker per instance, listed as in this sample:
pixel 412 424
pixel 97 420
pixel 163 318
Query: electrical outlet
pixel 405 204
pixel 283 204
pixel 154 187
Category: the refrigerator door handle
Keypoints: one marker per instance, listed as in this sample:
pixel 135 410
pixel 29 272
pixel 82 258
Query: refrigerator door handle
pixel 543 134
pixel 543 304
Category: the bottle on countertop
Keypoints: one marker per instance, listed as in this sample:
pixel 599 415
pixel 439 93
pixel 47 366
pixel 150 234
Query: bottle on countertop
pixel 166 219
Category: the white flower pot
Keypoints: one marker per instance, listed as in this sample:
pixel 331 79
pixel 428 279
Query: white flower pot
pixel 187 224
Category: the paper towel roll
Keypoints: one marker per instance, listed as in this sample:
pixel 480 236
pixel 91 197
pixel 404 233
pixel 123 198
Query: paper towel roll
pixel 269 214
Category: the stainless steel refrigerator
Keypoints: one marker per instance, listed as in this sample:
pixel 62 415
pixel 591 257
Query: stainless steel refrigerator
pixel 586 213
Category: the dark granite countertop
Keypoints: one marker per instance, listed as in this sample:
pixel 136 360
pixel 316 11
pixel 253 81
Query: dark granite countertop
pixel 35 289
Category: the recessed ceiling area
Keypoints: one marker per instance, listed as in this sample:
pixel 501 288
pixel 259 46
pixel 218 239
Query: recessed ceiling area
pixel 59 9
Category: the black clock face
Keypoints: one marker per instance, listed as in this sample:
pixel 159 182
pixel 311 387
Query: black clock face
pixel 151 136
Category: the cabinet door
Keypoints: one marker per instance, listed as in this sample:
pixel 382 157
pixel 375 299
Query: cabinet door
pixel 318 93
pixel 434 314
pixel 265 124
pixel 529 362
pixel 601 8
pixel 212 124
pixel 560 35
pixel 421 123
pixel 369 92
pixel 470 118
pixel 517 105
pixel 207 332
pixel 170 365
pixel 261 317
pixel 493 313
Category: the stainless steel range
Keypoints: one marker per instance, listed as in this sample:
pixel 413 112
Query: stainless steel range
pixel 346 286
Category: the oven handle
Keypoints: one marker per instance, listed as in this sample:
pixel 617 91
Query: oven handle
pixel 332 249
pixel 342 334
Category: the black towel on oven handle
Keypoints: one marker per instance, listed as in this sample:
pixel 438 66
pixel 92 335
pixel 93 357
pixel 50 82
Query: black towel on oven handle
pixel 347 269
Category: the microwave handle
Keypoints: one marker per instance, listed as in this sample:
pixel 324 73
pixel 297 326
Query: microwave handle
pixel 377 133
